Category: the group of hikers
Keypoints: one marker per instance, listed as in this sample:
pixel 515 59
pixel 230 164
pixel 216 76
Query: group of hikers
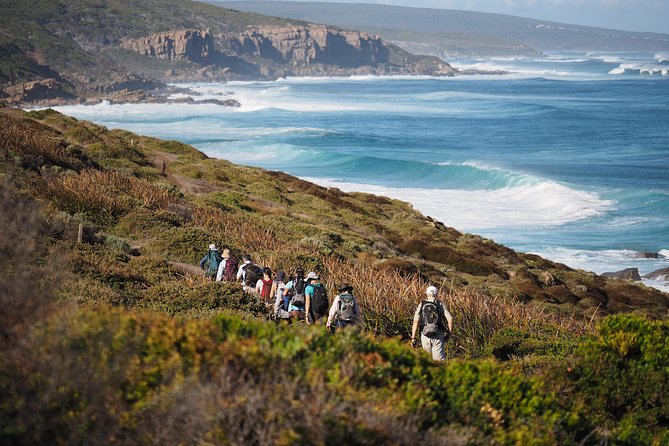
pixel 303 297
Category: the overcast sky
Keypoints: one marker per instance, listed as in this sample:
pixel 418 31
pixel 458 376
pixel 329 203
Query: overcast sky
pixel 628 15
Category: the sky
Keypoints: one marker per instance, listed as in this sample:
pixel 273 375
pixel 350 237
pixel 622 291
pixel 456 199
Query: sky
pixel 628 15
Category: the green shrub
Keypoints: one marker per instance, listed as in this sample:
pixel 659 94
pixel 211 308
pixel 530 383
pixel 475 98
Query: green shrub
pixel 622 374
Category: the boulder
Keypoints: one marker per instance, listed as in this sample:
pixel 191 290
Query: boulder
pixel 648 255
pixel 625 274
pixel 661 275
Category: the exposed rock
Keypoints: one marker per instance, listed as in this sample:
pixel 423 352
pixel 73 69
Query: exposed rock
pixel 648 255
pixel 190 44
pixel 307 45
pixel 661 275
pixel 547 279
pixel 37 91
pixel 625 274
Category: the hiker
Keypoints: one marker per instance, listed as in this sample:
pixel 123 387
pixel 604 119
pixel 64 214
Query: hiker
pixel 227 268
pixel 281 301
pixel 210 261
pixel 431 317
pixel 344 309
pixel 294 291
pixel 316 299
pixel 248 273
pixel 264 285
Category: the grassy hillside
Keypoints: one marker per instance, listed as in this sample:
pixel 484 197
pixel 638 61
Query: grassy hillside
pixel 115 340
pixel 78 43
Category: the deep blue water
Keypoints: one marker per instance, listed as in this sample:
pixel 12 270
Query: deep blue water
pixel 566 157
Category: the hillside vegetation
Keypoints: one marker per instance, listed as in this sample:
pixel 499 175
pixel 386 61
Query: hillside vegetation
pixel 89 48
pixel 115 340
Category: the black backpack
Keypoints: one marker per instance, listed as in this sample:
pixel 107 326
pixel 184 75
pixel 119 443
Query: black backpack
pixel 319 301
pixel 252 273
pixel 346 310
pixel 298 292
pixel 431 318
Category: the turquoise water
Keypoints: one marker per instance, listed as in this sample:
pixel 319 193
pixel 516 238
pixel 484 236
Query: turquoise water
pixel 565 157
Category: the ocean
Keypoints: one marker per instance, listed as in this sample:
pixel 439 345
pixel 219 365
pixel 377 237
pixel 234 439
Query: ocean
pixel 565 157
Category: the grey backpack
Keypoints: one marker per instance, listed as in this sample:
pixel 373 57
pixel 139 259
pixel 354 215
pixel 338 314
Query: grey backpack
pixel 346 310
pixel 431 318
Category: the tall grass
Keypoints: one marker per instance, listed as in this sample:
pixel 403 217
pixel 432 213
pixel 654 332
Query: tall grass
pixel 389 299
pixel 32 145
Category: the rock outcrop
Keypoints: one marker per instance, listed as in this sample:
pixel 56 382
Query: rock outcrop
pixel 192 45
pixel 661 275
pixel 308 45
pixel 35 91
pixel 625 274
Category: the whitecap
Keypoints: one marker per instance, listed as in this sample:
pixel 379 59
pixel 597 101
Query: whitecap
pixel 545 204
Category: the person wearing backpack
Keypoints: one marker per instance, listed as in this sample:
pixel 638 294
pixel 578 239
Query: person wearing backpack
pixel 264 285
pixel 210 262
pixel 281 301
pixel 435 324
pixel 227 268
pixel 344 309
pixel 316 299
pixel 294 291
pixel 248 274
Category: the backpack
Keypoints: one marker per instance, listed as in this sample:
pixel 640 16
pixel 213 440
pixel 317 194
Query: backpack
pixel 298 299
pixel 252 273
pixel 285 300
pixel 346 310
pixel 213 261
pixel 266 289
pixel 230 269
pixel 319 301
pixel 431 318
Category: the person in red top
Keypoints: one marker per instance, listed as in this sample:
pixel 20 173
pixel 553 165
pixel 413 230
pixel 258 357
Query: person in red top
pixel 264 286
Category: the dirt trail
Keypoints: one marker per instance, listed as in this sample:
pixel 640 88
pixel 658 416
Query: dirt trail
pixel 162 162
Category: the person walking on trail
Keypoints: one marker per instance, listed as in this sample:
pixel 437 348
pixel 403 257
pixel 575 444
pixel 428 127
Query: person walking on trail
pixel 281 301
pixel 294 291
pixel 344 309
pixel 316 299
pixel 264 285
pixel 248 274
pixel 435 324
pixel 227 268
pixel 210 261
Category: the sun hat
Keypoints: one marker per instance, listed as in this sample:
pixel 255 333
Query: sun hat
pixel 431 290
pixel 226 253
pixel 345 287
pixel 212 247
pixel 312 275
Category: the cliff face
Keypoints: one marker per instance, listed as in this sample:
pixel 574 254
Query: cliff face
pixel 307 45
pixel 191 45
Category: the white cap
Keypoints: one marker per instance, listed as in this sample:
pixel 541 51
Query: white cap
pixel 431 290
pixel 312 275
pixel 212 246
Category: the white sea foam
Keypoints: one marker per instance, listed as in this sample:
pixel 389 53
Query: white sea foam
pixel 641 68
pixel 662 57
pixel 664 253
pixel 533 205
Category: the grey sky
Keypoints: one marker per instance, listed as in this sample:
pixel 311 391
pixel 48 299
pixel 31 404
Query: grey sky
pixel 628 15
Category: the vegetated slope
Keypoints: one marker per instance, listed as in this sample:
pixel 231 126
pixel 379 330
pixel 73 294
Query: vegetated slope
pixel 171 201
pixel 99 46
pixel 458 32
pixel 75 370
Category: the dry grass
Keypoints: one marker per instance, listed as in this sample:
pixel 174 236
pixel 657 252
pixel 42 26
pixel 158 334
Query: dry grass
pixel 30 143
pixel 389 299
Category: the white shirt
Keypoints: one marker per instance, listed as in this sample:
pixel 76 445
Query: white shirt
pixel 221 270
